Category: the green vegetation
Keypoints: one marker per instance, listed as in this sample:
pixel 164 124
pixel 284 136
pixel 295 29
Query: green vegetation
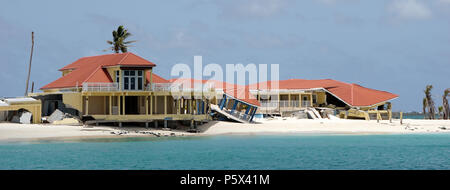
pixel 119 37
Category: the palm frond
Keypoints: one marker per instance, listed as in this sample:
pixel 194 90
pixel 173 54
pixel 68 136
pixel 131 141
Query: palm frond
pixel 118 43
pixel 129 42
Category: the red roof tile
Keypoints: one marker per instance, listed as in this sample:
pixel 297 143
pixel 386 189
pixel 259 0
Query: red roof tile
pixel 124 59
pixel 155 78
pixel 91 69
pixel 352 94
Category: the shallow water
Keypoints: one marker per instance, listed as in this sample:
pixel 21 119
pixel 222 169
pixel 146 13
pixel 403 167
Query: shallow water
pixel 422 151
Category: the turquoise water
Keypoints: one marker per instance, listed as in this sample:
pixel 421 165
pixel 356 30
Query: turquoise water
pixel 416 116
pixel 425 151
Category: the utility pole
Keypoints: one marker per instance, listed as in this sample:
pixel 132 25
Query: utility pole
pixel 29 66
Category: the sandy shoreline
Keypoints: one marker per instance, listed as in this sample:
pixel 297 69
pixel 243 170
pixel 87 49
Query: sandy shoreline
pixel 12 132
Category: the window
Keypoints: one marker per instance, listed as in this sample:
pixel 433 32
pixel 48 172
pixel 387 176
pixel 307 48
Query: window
pixel 132 85
pixel 140 83
pixel 133 80
pixel 314 98
pixel 117 76
pixel 125 84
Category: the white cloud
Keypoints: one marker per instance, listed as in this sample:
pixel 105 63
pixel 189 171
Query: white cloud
pixel 409 9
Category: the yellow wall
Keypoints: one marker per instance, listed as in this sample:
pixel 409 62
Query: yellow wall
pixel 96 105
pixel 73 100
pixel 112 72
pixel 33 107
pixel 65 72
pixel 321 97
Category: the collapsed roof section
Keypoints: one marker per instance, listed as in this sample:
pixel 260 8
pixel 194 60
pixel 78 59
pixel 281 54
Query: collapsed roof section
pixel 352 94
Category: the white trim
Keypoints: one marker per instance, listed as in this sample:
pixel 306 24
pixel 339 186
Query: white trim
pixel 312 89
pixel 241 100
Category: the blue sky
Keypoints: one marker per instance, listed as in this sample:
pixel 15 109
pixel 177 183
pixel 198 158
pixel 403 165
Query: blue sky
pixel 394 45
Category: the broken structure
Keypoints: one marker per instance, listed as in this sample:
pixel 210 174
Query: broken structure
pixel 122 87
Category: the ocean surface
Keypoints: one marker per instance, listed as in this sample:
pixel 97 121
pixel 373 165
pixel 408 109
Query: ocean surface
pixel 302 151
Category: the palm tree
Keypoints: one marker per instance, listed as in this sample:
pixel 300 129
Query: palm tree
pixel 445 106
pixel 440 109
pixel 424 108
pixel 119 37
pixel 430 102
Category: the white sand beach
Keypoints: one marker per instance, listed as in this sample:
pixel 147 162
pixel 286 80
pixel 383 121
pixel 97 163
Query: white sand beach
pixel 27 132
pixel 24 132
pixel 292 125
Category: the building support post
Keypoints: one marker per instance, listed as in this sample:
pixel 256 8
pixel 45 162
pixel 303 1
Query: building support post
pixel 224 102
pixel 118 105
pixel 378 116
pixel 203 106
pixel 390 116
pixel 401 118
pixel 190 106
pixel 123 104
pixel 156 104
pixel 110 105
pixel 278 100
pixel 104 105
pixel 178 103
pixel 165 105
pixel 87 105
pixel 146 106
pixel 247 110
pixel 197 107
pixel 253 114
pixel 289 100
pixel 151 104
pixel 300 100
pixel 234 106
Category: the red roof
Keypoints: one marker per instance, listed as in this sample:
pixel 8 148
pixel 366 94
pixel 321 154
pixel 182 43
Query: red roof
pixel 352 94
pixel 155 78
pixel 123 59
pixel 239 92
pixel 92 69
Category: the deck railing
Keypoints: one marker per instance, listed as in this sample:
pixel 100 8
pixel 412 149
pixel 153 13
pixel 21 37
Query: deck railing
pixel 306 103
pixel 269 104
pixel 167 87
pixel 179 87
pixel 285 103
pixel 100 86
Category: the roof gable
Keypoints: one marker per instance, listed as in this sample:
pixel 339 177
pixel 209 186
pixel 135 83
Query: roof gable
pixel 91 69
